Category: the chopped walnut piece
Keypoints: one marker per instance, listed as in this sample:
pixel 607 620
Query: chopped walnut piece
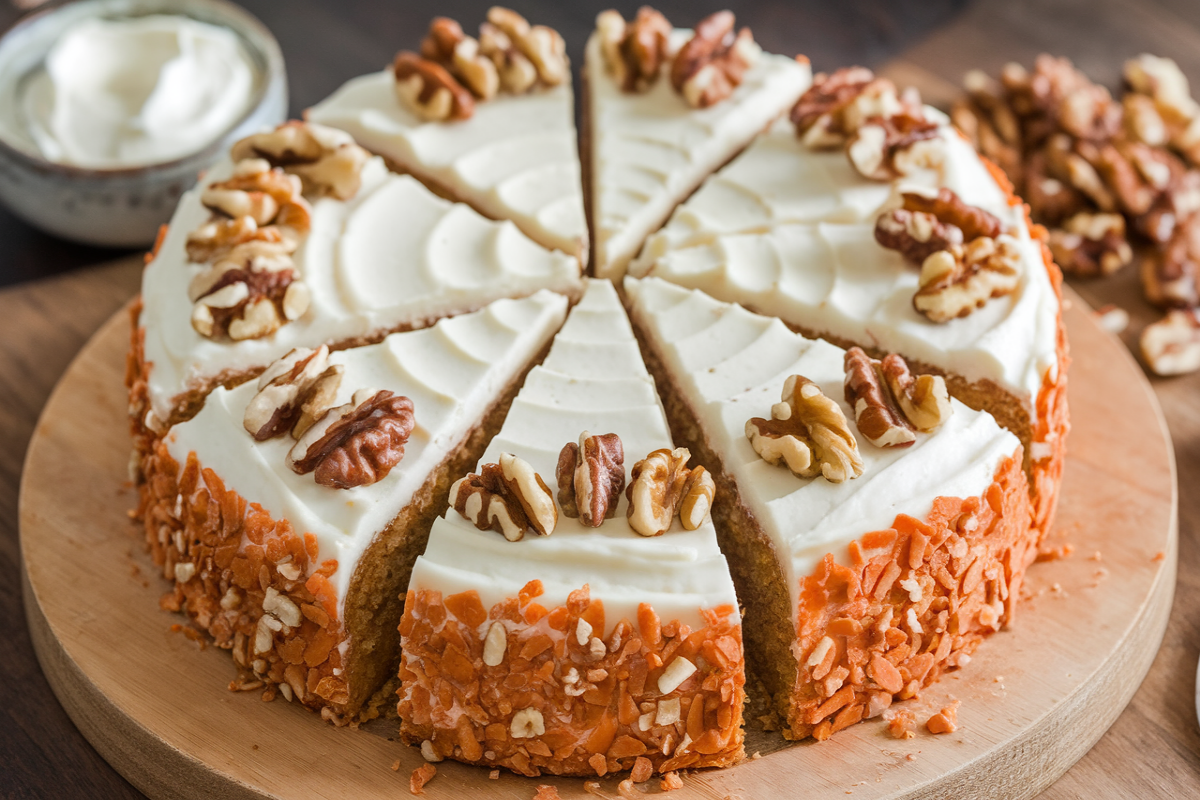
pixel 925 225
pixel 713 62
pixel 883 148
pixel 508 497
pixel 1091 244
pixel 955 282
pixel 421 776
pixel 876 412
pixel 634 51
pixel 430 90
pixel 662 486
pixel 543 46
pixel 292 392
pixel 924 400
pixel 1112 318
pixel 1171 346
pixel 527 723
pixel 1169 274
pixel 808 433
pixel 325 159
pixel 591 476
pixel 944 721
pixel 356 444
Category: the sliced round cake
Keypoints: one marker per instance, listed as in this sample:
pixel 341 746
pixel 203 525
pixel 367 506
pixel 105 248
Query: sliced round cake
pixel 595 640
pixel 865 579
pixel 289 510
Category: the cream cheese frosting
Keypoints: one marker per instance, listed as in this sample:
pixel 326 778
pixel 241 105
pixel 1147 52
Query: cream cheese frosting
pixel 593 379
pixel 789 231
pixel 516 158
pixel 650 150
pixel 453 372
pixel 730 366
pixel 394 256
pixel 120 93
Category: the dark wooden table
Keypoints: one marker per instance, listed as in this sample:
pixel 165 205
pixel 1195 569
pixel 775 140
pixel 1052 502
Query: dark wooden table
pixel 1154 748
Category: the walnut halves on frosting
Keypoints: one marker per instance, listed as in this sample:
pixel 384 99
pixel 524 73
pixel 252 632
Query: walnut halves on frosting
pixel 808 433
pixel 509 498
pixel 714 61
pixel 453 70
pixel 662 486
pixel 889 403
pixel 356 444
pixel 591 477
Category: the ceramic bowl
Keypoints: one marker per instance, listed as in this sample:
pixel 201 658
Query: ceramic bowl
pixel 117 207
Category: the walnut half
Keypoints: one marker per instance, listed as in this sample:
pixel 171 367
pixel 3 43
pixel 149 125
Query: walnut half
pixel 590 477
pixel 509 498
pixel 1171 346
pixel 957 281
pixel 293 393
pixel 713 62
pixel 356 444
pixel 634 52
pixel 661 486
pixel 808 433
pixel 876 412
pixel 925 224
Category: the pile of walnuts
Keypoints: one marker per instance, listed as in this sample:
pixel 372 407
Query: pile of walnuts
pixel 1097 170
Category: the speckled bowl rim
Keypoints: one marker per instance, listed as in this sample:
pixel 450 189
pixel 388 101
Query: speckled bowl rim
pixel 250 30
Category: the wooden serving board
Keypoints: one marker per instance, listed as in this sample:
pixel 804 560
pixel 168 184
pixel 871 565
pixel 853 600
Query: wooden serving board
pixel 1034 698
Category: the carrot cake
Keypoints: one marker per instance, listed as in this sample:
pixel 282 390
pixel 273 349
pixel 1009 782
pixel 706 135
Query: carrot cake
pixel 303 239
pixel 876 528
pixel 289 510
pixel 829 222
pixel 580 629
pixel 488 120
pixel 666 107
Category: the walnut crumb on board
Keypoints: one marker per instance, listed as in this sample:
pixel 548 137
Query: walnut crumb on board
pixel 545 792
pixel 396 765
pixel 421 776
pixel 900 724
pixel 670 782
pixel 494 775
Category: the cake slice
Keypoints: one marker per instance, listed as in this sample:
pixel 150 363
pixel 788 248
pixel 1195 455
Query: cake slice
pixel 792 228
pixel 665 108
pixel 591 649
pixel 272 253
pixel 858 591
pixel 292 553
pixel 506 144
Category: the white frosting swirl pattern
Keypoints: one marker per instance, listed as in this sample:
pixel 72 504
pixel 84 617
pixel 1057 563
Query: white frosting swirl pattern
pixel 515 158
pixel 593 379
pixel 396 255
pixel 453 372
pixel 651 149
pixel 788 231
pixel 730 366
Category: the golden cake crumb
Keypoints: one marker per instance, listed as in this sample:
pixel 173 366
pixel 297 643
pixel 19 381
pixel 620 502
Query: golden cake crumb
pixel 901 724
pixel 946 720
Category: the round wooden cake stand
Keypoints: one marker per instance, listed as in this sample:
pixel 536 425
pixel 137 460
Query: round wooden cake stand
pixel 1035 698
